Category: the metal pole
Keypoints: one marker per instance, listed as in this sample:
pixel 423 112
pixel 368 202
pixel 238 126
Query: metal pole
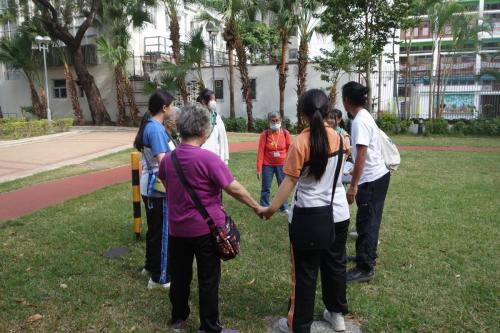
pixel 49 115
pixel 213 63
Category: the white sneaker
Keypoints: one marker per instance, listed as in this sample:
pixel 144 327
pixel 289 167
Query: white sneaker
pixel 153 285
pixel 283 325
pixel 145 272
pixel 336 319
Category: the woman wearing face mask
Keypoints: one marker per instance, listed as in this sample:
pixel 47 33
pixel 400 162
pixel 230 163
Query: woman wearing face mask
pixel 153 142
pixel 217 140
pixel 273 147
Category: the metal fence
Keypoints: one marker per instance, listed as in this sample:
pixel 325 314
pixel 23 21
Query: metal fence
pixel 452 94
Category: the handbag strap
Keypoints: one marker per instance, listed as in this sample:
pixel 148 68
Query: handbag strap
pixel 190 190
pixel 340 158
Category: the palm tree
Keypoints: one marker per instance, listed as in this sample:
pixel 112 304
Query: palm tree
pixel 284 11
pixel 16 53
pixel 116 56
pixel 306 27
pixel 115 17
pixel 172 11
pixel 441 15
pixel 70 84
pixel 234 13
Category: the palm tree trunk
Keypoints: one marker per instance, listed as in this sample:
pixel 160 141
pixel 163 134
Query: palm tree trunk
pixel 176 52
pixel 245 80
pixel 38 107
pixel 230 57
pixel 283 71
pixel 129 91
pixel 120 96
pixel 96 105
pixel 332 96
pixel 302 73
pixel 75 102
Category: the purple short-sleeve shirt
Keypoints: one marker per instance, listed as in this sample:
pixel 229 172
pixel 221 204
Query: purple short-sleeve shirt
pixel 208 175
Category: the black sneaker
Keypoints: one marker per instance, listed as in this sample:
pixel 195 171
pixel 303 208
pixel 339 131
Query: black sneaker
pixel 351 258
pixel 359 275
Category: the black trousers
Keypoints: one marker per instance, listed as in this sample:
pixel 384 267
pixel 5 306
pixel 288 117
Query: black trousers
pixel 182 251
pixel 155 238
pixel 370 201
pixel 305 265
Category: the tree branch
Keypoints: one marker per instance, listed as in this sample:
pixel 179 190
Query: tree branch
pixel 87 23
pixel 52 23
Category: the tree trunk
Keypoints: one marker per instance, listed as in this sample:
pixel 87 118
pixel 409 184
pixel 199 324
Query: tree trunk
pixel 230 57
pixel 120 96
pixel 332 96
pixel 245 80
pixel 73 93
pixel 129 91
pixel 283 71
pixel 368 74
pixel 38 108
pixel 176 53
pixel 97 109
pixel 302 74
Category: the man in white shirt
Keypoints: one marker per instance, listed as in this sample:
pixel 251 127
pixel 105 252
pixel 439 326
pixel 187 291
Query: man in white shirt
pixel 370 181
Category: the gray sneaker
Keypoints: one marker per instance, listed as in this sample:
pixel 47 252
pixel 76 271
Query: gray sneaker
pixel 283 326
pixel 178 326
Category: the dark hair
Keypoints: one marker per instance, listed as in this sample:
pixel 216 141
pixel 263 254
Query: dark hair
pixel 356 93
pixel 314 105
pixel 138 144
pixel 338 114
pixel 157 101
pixel 205 96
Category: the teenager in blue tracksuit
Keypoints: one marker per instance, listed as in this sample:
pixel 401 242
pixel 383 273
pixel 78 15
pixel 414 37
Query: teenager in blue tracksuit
pixel 154 142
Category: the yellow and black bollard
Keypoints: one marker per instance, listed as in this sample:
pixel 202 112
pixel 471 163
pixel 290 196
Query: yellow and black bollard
pixel 136 194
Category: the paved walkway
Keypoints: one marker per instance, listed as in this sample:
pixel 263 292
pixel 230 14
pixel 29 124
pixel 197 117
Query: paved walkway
pixel 22 158
pixel 28 200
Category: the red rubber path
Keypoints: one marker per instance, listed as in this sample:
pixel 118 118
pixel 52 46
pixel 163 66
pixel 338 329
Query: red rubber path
pixel 30 199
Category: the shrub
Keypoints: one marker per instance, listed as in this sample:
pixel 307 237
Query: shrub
pixel 260 125
pixel 235 124
pixel 459 128
pixel 63 124
pixel 390 123
pixel 436 126
pixel 21 128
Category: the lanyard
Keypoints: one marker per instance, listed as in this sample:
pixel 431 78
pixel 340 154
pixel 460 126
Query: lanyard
pixel 277 141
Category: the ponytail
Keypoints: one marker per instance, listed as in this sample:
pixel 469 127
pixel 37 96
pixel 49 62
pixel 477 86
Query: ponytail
pixel 138 143
pixel 319 146
pixel 314 105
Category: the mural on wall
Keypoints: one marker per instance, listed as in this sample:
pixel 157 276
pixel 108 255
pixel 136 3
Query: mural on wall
pixel 459 103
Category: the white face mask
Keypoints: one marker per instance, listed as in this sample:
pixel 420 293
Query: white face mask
pixel 275 127
pixel 212 105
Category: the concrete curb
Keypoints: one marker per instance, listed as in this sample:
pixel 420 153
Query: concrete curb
pixel 104 129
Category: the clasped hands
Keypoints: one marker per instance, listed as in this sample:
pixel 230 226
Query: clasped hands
pixel 264 212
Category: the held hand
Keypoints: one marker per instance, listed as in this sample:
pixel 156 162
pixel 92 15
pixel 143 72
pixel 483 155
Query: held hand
pixel 267 213
pixel 259 174
pixel 259 211
pixel 351 194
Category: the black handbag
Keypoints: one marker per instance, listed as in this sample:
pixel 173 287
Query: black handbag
pixel 313 228
pixel 227 237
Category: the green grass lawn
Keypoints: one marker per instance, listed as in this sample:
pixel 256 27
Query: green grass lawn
pixel 437 270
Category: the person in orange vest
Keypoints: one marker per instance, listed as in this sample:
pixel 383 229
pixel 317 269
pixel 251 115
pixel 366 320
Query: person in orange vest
pixel 273 147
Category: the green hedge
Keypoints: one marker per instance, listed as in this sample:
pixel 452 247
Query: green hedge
pixel 239 124
pixel 22 128
pixel 390 123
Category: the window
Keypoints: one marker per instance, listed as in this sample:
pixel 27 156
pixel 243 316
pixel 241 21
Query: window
pixel 219 89
pixel 293 54
pixel 294 32
pixel 60 89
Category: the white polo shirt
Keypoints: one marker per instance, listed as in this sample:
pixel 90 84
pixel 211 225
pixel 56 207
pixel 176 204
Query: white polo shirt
pixel 364 131
pixel 309 191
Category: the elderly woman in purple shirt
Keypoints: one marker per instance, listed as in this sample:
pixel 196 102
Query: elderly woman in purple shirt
pixel 189 235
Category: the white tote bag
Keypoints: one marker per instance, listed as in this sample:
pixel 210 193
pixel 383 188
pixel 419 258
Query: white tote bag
pixel 390 152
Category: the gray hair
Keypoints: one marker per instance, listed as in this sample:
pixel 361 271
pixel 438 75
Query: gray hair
pixel 193 122
pixel 273 114
pixel 176 112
